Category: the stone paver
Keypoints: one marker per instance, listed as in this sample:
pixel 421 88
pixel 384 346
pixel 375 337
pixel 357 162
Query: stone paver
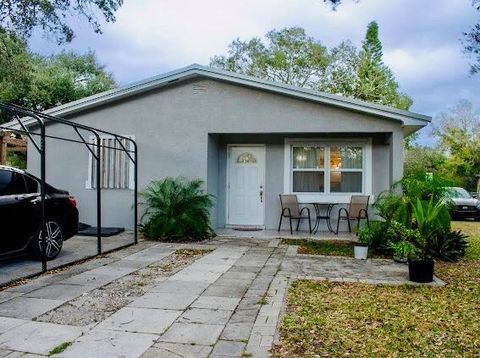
pixel 141 320
pixel 193 333
pixel 228 349
pixel 176 350
pixel 38 337
pixel 27 307
pixel 200 315
pixel 63 292
pixel 7 323
pixel 109 344
pixel 164 300
pixel 216 303
pixel 177 287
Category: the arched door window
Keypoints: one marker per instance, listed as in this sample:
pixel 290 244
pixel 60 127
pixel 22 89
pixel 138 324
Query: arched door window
pixel 246 158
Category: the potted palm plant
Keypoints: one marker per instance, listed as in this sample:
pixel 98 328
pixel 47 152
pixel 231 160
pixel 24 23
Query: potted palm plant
pixel 427 219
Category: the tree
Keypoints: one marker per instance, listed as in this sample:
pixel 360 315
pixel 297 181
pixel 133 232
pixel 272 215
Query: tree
pixel 419 159
pixel 458 130
pixel 341 75
pixel 376 81
pixel 40 82
pixel 290 56
pixel 21 17
pixel 471 43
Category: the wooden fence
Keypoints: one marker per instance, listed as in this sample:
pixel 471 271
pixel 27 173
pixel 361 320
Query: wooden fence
pixel 10 143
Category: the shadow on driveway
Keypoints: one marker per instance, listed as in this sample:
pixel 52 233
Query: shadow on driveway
pixel 74 249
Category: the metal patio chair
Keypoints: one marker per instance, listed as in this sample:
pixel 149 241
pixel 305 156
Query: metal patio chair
pixel 291 210
pixel 357 209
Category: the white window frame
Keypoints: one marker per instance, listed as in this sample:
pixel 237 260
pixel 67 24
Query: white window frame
pixel 131 179
pixel 327 196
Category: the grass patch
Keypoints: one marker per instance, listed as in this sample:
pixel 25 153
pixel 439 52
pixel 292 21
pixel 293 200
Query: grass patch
pixel 472 229
pixel 335 319
pixel 60 348
pixel 327 248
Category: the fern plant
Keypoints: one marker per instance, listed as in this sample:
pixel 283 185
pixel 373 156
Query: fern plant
pixel 176 210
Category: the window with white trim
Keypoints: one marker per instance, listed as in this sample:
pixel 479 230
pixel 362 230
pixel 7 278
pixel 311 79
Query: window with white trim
pixel 116 168
pixel 327 167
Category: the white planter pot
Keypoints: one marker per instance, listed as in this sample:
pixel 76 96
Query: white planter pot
pixel 361 252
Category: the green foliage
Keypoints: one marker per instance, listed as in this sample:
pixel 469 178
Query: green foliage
pixel 15 68
pixel 40 82
pixel 397 232
pixel 376 81
pixel 448 246
pixel 21 17
pixel 471 42
pixel 17 160
pixel 420 159
pixel 176 210
pixel 392 206
pixel 59 349
pixel 458 130
pixel 403 249
pixel 423 186
pixel 374 236
pixel 292 57
pixel 414 212
pixel 431 219
pixel 322 247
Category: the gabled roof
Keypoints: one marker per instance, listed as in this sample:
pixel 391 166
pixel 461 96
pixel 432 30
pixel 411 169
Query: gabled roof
pixel 414 120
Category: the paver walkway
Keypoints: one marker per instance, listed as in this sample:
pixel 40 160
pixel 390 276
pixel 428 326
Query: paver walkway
pixel 225 304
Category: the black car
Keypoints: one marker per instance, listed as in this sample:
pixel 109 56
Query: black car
pixel 464 205
pixel 20 215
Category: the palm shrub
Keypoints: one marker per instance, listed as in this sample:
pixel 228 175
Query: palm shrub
pixel 449 246
pixel 417 203
pixel 176 210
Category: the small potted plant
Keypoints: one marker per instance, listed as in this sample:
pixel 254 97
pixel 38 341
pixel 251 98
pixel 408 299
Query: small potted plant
pixel 361 246
pixel 401 241
pixel 401 251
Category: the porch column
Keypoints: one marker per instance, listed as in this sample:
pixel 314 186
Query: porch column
pixel 396 156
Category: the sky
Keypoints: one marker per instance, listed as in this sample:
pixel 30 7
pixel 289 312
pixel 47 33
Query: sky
pixel 421 39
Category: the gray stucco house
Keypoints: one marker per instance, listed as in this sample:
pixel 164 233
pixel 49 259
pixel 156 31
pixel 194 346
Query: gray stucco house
pixel 247 138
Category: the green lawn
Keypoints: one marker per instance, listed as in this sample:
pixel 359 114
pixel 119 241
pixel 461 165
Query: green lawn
pixel 328 248
pixel 359 320
pixel 324 247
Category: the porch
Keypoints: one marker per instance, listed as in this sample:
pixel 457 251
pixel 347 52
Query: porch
pixel 284 234
pixel 247 172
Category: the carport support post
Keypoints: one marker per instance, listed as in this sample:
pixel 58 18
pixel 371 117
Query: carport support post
pixel 99 198
pixel 135 208
pixel 42 193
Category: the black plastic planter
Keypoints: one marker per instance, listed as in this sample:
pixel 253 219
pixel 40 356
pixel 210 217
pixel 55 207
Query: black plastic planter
pixel 421 271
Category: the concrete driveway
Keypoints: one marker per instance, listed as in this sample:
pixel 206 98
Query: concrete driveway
pixel 225 303
pixel 76 248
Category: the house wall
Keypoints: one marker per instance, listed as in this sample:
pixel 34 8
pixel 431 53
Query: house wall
pixel 179 131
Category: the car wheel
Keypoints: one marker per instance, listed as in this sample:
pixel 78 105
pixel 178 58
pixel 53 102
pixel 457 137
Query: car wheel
pixel 53 240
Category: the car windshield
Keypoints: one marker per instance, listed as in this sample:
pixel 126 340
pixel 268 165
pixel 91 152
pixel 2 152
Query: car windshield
pixel 459 193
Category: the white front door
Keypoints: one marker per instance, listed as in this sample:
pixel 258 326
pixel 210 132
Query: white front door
pixel 246 185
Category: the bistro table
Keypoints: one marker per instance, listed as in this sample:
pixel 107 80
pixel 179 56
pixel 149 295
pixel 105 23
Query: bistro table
pixel 323 211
